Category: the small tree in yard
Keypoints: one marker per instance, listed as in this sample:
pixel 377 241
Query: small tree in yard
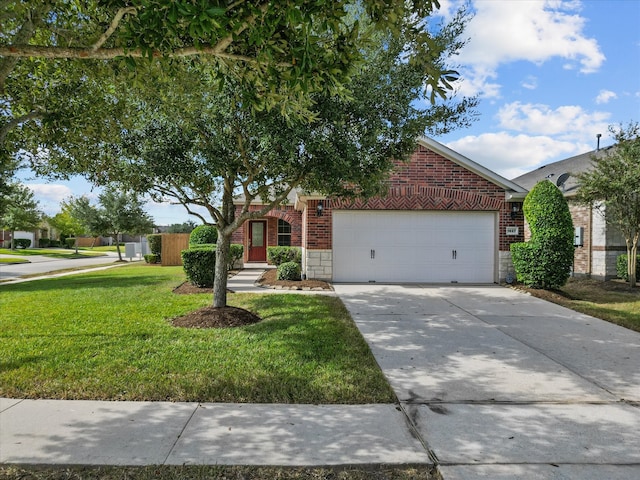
pixel 613 187
pixel 67 224
pixel 118 213
pixel 20 212
pixel 545 260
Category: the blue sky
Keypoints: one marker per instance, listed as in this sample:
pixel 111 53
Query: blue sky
pixel 550 75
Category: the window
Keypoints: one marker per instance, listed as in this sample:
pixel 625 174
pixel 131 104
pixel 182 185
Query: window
pixel 284 233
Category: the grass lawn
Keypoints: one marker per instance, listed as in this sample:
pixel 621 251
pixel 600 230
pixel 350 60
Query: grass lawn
pixel 13 260
pixel 612 301
pixel 106 335
pixel 220 472
pixel 51 252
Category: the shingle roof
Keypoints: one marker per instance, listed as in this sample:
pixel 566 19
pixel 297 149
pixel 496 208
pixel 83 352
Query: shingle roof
pixel 553 171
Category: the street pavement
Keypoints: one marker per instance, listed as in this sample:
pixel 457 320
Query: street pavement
pixel 492 383
pixel 43 265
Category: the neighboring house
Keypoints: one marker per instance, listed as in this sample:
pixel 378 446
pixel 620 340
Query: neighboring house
pixel 445 219
pixel 597 244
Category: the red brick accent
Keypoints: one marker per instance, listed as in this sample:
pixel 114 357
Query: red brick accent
pixel 284 212
pixel 428 182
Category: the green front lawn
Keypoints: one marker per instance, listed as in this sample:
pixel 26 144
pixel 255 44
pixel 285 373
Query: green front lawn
pixel 612 301
pixel 14 260
pixel 52 252
pixel 107 335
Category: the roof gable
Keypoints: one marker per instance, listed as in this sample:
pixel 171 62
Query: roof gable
pixel 470 165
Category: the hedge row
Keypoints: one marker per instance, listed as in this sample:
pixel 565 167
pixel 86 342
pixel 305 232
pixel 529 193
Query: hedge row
pixel 199 262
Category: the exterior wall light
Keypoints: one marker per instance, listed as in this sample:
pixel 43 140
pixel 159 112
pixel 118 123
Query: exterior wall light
pixel 515 208
pixel 319 209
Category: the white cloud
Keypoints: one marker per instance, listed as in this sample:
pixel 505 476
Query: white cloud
pixel 49 196
pixel 605 95
pixel 536 31
pixel 565 122
pixel 512 155
pixel 530 83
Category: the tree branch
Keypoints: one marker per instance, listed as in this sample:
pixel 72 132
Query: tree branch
pixel 17 51
pixel 222 45
pixel 14 122
pixel 114 25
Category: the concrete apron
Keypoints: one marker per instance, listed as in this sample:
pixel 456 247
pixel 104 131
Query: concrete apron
pixel 503 385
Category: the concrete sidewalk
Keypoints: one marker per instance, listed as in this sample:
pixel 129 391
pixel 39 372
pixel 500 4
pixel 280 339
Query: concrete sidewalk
pixel 58 432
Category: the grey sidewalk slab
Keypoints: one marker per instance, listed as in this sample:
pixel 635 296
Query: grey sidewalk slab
pixel 295 435
pixel 539 433
pixel 91 433
pixel 147 433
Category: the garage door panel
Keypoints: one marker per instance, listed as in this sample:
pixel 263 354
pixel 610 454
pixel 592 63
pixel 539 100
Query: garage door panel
pixel 409 246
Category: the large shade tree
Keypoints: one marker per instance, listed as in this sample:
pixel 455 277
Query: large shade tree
pixel 21 211
pixel 56 57
pixel 613 188
pixel 202 146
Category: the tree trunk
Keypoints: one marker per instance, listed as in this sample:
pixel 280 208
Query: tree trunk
pixel 220 274
pixel 118 249
pixel 632 254
pixel 13 239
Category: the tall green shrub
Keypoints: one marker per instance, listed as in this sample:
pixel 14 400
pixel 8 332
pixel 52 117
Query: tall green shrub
pixel 203 234
pixel 622 266
pixel 155 244
pixel 545 260
pixel 199 266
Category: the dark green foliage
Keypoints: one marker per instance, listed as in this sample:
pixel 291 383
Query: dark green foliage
pixel 545 260
pixel 70 242
pixel 621 266
pixel 155 244
pixel 22 242
pixel 235 254
pixel 203 234
pixel 44 242
pixel 152 258
pixel 280 255
pixel 288 271
pixel 199 265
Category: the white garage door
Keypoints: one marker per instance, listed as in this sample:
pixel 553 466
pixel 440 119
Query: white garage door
pixel 410 246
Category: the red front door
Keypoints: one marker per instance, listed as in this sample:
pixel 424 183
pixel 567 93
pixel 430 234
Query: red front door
pixel 257 241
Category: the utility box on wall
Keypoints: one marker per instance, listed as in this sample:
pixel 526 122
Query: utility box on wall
pixel 578 238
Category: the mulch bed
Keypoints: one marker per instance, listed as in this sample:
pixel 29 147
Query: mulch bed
pixel 216 317
pixel 225 317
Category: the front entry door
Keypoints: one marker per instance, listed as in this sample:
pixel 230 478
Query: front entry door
pixel 257 241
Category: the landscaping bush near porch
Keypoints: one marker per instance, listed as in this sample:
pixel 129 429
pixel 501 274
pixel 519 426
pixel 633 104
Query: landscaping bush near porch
pixel 108 335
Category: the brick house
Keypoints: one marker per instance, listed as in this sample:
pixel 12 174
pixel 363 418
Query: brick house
pixel 597 244
pixel 445 219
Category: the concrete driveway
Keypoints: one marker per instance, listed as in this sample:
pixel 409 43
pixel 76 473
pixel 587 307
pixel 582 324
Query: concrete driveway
pixel 503 385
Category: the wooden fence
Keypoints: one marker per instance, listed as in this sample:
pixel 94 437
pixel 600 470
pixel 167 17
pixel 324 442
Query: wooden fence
pixel 172 245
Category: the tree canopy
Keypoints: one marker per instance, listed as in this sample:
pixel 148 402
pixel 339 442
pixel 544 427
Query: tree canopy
pixel 613 187
pixel 21 210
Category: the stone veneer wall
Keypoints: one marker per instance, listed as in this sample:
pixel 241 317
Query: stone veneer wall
pixel 318 264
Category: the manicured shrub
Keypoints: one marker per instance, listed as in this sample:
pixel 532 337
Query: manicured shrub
pixel 70 242
pixel 280 255
pixel 155 244
pixel 235 254
pixel 288 271
pixel 203 234
pixel 151 258
pixel 44 242
pixel 621 266
pixel 22 242
pixel 54 243
pixel 199 266
pixel 545 260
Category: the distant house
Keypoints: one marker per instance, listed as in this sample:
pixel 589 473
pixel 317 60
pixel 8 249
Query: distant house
pixel 597 244
pixel 444 219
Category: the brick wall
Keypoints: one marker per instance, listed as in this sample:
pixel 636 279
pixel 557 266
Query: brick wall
pixel 284 212
pixel 581 216
pixel 428 182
